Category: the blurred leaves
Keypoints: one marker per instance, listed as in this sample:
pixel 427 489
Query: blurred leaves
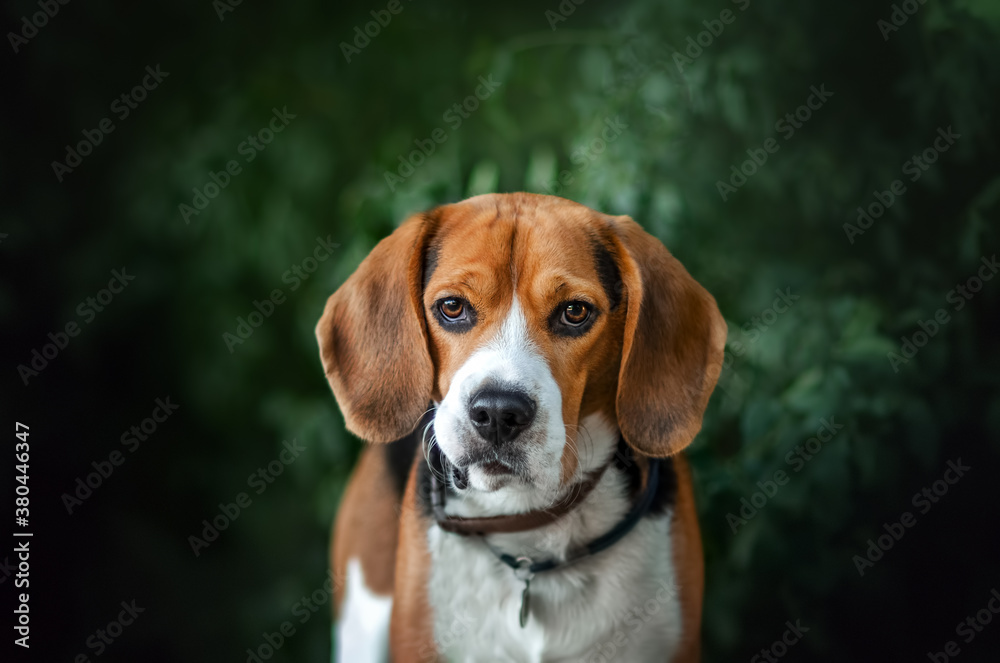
pixel 541 130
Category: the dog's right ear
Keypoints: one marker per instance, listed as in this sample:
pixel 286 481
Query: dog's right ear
pixel 373 338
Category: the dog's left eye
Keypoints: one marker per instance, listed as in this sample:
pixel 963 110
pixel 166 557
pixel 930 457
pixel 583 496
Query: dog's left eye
pixel 573 318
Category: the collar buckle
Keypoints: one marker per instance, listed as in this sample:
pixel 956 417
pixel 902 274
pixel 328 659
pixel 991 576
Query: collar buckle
pixel 523 570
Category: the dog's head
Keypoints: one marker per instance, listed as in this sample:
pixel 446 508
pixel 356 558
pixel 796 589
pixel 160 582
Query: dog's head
pixel 520 315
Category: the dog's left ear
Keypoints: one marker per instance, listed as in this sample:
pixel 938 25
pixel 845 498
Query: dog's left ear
pixel 373 338
pixel 673 346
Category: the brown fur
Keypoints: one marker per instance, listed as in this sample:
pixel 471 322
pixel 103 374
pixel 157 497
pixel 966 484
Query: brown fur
pixel 368 501
pixel 411 639
pixel 373 343
pixel 689 564
pixel 649 362
pixel 674 340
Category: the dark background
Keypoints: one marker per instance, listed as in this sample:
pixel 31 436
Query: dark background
pixel 324 176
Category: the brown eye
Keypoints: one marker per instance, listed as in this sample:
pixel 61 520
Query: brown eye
pixel 453 310
pixel 575 314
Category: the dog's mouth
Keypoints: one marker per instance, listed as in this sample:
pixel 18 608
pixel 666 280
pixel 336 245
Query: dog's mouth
pixel 494 472
pixel 459 478
pixel 495 468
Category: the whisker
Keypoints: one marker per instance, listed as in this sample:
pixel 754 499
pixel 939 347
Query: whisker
pixel 583 437
pixel 424 414
pixel 426 445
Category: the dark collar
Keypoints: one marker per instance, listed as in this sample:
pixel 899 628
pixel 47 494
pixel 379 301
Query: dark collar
pixel 603 542
pixel 534 519
pixel 515 522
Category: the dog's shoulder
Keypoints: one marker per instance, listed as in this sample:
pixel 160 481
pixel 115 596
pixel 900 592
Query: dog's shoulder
pixel 399 456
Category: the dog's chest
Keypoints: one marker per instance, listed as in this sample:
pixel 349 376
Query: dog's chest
pixel 619 605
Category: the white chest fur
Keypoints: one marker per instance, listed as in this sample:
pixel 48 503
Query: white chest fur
pixel 619 605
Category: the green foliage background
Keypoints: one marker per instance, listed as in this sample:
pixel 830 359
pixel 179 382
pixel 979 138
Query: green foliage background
pixel 325 176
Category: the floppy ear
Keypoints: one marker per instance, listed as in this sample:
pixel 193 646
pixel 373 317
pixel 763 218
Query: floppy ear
pixel 673 346
pixel 373 339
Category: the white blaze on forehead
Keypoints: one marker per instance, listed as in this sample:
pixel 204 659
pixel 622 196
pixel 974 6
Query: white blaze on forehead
pixel 507 360
pixel 513 350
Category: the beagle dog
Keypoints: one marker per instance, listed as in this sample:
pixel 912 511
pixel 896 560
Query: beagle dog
pixel 528 371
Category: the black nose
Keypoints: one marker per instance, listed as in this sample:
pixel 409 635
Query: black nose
pixel 500 416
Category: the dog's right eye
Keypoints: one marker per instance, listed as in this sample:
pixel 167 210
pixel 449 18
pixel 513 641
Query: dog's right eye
pixel 455 314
